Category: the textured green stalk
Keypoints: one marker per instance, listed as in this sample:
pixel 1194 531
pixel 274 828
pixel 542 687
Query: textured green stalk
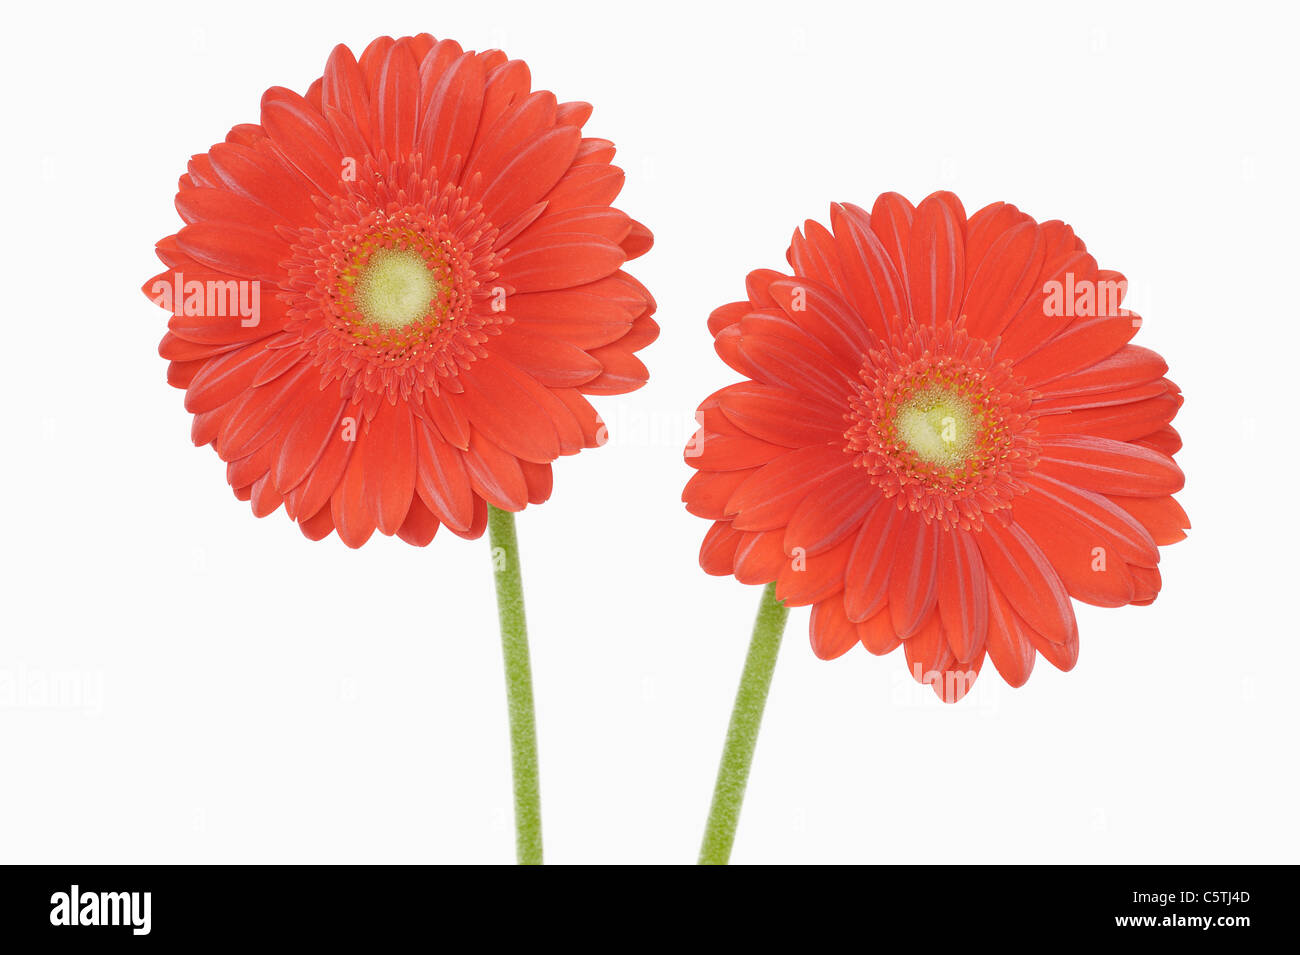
pixel 742 734
pixel 519 685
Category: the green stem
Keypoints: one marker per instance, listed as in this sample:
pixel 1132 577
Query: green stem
pixel 519 685
pixel 742 734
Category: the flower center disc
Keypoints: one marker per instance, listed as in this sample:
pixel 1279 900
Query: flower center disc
pixel 938 426
pixel 396 288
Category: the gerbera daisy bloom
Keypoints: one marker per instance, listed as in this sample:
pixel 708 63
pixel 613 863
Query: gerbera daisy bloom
pixel 944 435
pixel 390 300
pixel 392 295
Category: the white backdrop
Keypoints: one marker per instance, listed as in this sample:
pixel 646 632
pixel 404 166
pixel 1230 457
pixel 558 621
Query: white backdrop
pixel 180 682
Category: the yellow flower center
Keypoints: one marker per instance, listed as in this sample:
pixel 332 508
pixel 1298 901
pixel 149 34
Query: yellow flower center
pixel 396 288
pixel 939 426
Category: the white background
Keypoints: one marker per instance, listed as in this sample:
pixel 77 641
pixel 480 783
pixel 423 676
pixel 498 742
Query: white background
pixel 180 682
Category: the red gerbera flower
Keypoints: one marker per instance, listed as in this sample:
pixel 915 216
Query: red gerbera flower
pixel 392 295
pixel 944 436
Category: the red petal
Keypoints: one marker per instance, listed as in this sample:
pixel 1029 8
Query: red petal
pixel 645 331
pixel 451 117
pixel 759 557
pixel 806 579
pixel 1129 367
pixel 638 241
pixel 478 525
pixel 602 221
pixel 498 400
pixel 585 317
pixel 831 631
pixel 1004 280
pixel 813 257
pixel 1107 524
pixel 507 82
pixel 181 373
pixel 824 315
pixel 707 492
pixel 494 474
pixel 913 581
pixel 984 228
pixel 833 513
pixel 319 526
pixel 565 261
pixel 587 186
pixel 269 410
pixel 244 251
pixel 775 324
pixel 1036 322
pixel 1024 574
pixel 539 479
pixel 621 371
pixel 442 481
pixel 533 171
pixel 718 551
pixel 1146 585
pixel 590 150
pixel 344 90
pixel 568 427
pixel 1063 656
pixel 503 134
pixel 926 650
pixel 955 679
pixel 304 138
pixel 757 284
pixel 573 114
pixel 1084 556
pixel 803 366
pixel 372 58
pixel 317 489
pixel 1121 423
pixel 256 173
pixel 891 221
pixel 962 594
pixel 446 414
pixel 242 472
pixel 1163 517
pixel 768 497
pixel 394 109
pixel 871 282
pixel 314 425
pixel 1009 645
pixel 224 379
pixel 1165 441
pixel 353 503
pixel 221 205
pixel 780 416
pixel 1082 344
pixel 420 525
pixel 877 633
pixel 389 448
pixel 936 263
pixel 1106 399
pixel 1109 467
pixel 550 361
pixel 866 578
pixel 584 415
pixel 228 329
